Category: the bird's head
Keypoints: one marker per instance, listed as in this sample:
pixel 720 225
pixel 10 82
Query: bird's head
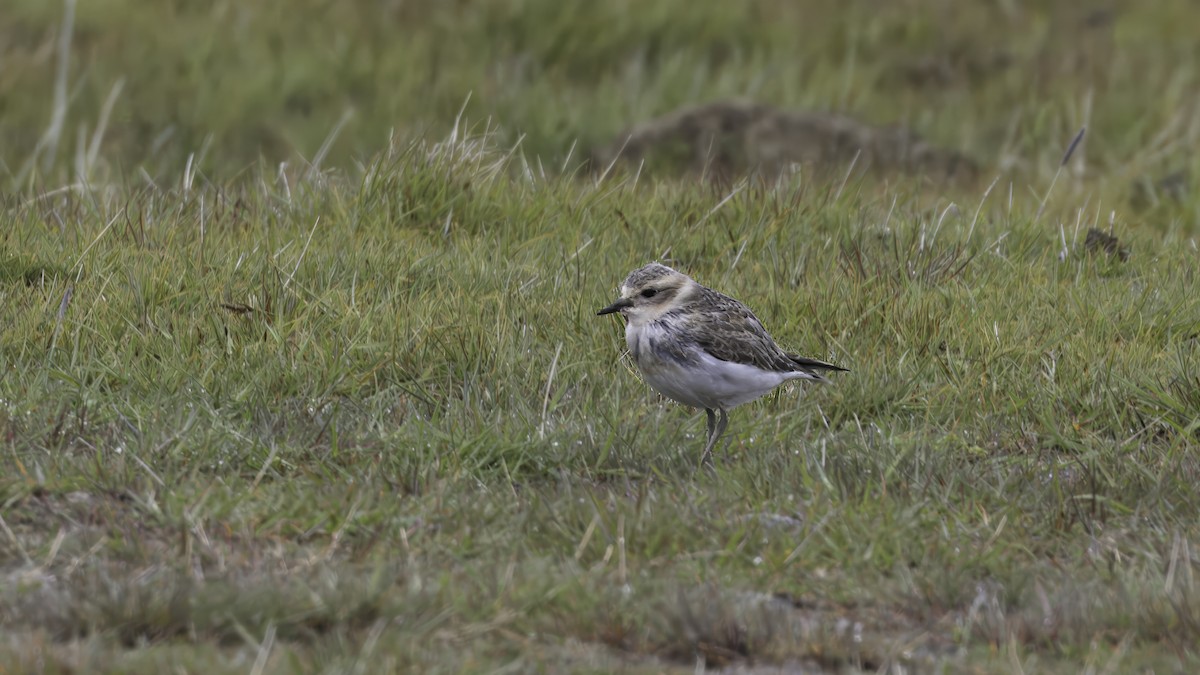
pixel 649 292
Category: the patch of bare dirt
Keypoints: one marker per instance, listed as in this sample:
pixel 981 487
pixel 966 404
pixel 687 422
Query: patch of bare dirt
pixel 1099 240
pixel 728 139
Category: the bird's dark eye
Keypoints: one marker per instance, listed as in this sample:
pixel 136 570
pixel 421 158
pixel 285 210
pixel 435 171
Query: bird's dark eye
pixel 649 293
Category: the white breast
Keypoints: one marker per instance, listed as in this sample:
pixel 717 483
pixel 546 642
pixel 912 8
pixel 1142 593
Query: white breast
pixel 705 381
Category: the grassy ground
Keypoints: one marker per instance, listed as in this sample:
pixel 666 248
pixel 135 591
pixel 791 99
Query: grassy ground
pixel 354 412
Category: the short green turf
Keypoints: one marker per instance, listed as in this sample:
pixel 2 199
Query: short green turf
pixel 300 369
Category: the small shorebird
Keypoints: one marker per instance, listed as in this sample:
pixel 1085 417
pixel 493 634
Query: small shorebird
pixel 702 348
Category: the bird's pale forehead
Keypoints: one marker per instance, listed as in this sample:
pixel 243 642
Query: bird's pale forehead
pixel 644 275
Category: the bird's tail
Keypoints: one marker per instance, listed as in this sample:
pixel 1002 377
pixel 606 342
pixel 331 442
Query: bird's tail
pixel 814 366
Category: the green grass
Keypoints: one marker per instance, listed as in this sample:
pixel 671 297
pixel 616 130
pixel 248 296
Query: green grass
pixel 360 417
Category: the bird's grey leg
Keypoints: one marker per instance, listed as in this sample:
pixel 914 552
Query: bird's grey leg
pixel 712 424
pixel 721 424
pixel 716 427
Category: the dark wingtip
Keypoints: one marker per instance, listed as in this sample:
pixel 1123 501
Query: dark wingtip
pixel 806 362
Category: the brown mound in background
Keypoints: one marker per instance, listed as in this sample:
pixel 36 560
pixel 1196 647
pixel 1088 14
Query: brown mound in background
pixel 728 139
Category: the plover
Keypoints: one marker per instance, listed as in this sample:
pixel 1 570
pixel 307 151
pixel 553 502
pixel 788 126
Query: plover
pixel 703 348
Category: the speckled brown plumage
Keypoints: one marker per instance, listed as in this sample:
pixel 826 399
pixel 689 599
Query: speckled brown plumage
pixel 702 348
pixel 728 330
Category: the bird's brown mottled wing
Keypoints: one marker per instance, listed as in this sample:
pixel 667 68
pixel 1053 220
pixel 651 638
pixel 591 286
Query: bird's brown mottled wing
pixel 728 330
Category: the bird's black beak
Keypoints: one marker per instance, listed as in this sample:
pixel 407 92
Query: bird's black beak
pixel 616 306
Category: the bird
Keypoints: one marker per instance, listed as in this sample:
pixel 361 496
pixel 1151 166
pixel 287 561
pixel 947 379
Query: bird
pixel 702 348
